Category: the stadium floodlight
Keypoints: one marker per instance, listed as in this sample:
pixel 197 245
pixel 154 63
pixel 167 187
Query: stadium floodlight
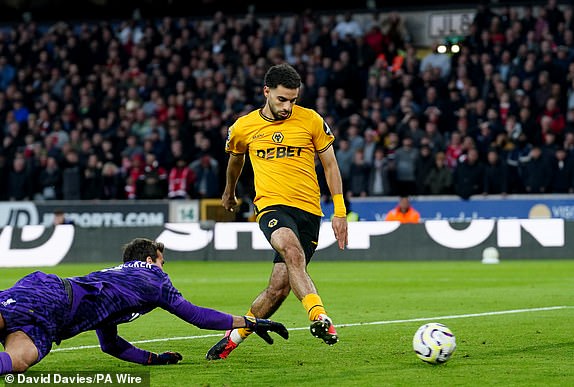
pixel 450 45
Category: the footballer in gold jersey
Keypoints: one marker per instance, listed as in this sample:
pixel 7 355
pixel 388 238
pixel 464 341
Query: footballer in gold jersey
pixel 282 153
pixel 282 140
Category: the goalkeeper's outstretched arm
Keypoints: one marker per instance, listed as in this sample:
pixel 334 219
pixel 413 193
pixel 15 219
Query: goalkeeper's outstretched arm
pixel 112 344
pixel 206 318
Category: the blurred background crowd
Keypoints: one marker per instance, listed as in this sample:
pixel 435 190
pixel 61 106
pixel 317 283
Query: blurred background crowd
pixel 139 108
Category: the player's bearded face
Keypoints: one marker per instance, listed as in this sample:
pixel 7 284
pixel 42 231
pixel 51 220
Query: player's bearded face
pixel 280 101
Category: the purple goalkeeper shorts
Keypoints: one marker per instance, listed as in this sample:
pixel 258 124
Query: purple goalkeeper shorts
pixel 37 305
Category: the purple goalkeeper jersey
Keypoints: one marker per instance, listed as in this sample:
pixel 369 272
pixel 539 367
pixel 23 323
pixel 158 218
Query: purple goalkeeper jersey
pixel 51 309
pixel 122 293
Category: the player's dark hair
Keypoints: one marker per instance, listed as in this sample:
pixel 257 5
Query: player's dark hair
pixel 140 248
pixel 282 74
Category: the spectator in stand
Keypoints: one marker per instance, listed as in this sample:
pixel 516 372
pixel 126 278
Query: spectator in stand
pixel 512 128
pixel 557 120
pixel 391 143
pixel 348 27
pixel 131 170
pixel 537 172
pixel 112 182
pixel 132 146
pixel 469 175
pixel 562 173
pixel 181 181
pixel 432 107
pixel 13 138
pixel 371 144
pixel 379 183
pixel 505 107
pixel 410 127
pixel 7 73
pixel 438 181
pixel 505 66
pixel 19 183
pixel 359 180
pixel 394 28
pixel 375 38
pixel 106 152
pixel 484 138
pixel 483 16
pixel 405 161
pixel 495 174
pixel 554 16
pixel 543 88
pixel 424 164
pixel 463 122
pixel 152 183
pixel 92 183
pixel 154 143
pixel 356 141
pixel 206 169
pixel 545 129
pixel 50 180
pixel 454 150
pixel 518 154
pixel 529 126
pixel 569 144
pixel 345 156
pixel 71 176
pixel 549 146
pixel 435 137
pixel 404 212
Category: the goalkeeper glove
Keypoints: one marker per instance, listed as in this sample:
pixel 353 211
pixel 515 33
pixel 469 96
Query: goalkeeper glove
pixel 164 358
pixel 263 326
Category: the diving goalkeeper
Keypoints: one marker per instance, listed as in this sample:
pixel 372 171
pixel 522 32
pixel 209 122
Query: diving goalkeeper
pixel 41 309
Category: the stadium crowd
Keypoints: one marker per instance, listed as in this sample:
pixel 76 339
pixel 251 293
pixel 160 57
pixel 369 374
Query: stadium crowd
pixel 139 108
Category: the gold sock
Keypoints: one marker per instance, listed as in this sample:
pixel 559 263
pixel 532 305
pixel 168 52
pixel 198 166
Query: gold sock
pixel 244 332
pixel 313 305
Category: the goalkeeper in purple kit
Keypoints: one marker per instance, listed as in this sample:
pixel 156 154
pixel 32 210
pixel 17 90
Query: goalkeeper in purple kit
pixel 41 309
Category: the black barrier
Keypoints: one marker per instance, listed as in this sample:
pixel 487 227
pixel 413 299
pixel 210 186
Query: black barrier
pixel 390 241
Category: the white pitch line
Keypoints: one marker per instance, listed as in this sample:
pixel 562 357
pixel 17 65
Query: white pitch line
pixel 512 311
pixel 451 317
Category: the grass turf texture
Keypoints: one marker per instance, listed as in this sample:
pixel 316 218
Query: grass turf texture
pixel 533 348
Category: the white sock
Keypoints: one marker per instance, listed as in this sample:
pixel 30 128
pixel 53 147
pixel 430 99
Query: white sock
pixel 235 337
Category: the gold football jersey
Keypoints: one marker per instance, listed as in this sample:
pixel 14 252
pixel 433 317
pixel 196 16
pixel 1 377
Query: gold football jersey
pixel 282 154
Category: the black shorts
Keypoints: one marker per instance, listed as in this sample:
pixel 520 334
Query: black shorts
pixel 304 224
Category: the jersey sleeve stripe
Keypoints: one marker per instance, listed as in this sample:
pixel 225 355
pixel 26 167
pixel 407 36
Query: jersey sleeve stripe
pixel 234 153
pixel 327 147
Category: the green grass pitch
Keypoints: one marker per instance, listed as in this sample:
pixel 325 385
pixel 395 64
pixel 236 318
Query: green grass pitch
pixel 377 306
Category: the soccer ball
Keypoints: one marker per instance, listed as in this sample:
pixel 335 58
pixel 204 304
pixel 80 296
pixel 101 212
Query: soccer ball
pixel 434 343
